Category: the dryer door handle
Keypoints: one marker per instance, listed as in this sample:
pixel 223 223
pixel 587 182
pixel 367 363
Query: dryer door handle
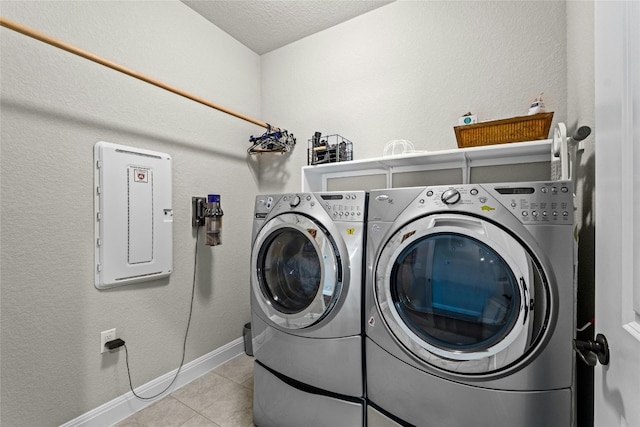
pixel 451 221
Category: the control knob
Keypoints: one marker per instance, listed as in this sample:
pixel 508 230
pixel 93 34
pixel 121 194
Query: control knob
pixel 295 201
pixel 450 197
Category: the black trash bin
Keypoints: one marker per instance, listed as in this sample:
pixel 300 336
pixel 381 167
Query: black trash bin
pixel 248 346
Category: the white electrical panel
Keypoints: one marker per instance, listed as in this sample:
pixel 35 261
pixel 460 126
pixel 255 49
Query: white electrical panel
pixel 133 214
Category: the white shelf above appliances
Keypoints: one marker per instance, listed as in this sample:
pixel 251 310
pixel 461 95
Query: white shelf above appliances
pixel 493 163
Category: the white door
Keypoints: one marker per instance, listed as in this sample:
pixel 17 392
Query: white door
pixel 617 129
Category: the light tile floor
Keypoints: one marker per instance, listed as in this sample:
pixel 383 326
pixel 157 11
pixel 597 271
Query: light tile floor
pixel 220 398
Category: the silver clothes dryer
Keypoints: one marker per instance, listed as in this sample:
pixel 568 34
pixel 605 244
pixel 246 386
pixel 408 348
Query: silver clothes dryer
pixel 306 301
pixel 470 305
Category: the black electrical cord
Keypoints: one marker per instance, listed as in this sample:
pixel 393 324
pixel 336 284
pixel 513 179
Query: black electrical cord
pixel 184 343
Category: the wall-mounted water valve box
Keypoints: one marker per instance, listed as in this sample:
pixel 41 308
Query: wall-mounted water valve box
pixel 133 215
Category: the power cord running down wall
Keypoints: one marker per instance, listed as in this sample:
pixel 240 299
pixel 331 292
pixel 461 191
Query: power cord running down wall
pixel 112 345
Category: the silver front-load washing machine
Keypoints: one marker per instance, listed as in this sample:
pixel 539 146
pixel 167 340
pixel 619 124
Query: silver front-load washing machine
pixel 469 305
pixel 306 301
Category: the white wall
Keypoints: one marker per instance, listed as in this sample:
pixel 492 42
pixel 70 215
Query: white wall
pixel 409 69
pixel 55 106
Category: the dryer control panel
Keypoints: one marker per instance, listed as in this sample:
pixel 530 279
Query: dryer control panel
pixel 539 202
pixel 532 203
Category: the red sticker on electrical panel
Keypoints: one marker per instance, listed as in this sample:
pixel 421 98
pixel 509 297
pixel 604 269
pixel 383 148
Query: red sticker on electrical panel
pixel 140 175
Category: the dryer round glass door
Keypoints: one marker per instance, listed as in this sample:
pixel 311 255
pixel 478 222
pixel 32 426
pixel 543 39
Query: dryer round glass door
pixel 297 277
pixel 461 293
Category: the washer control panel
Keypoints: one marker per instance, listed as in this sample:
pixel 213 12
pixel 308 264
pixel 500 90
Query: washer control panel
pixel 344 206
pixel 341 206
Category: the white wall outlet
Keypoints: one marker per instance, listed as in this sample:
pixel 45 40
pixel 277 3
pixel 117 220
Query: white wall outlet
pixel 105 337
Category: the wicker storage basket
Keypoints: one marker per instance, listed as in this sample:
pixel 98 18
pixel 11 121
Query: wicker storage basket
pixel 515 129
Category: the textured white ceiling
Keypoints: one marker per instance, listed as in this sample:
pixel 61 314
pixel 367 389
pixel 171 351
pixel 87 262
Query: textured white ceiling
pixel 265 25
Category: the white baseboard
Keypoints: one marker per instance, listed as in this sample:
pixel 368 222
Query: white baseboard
pixel 126 405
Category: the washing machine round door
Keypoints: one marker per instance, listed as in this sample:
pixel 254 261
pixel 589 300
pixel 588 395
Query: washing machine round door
pixel 297 274
pixel 461 294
